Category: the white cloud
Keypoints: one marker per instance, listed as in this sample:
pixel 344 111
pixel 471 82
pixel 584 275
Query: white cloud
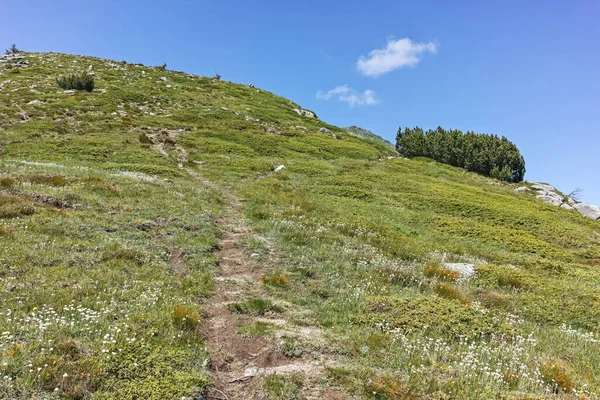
pixel 348 95
pixel 396 54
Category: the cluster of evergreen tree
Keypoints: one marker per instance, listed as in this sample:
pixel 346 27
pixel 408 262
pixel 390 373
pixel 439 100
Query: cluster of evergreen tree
pixel 488 155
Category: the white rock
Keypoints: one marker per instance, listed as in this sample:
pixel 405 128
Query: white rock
pixel 522 189
pixel 69 92
pixel 305 113
pixel 279 168
pixel 544 187
pixel 588 210
pixel 163 78
pixel 34 102
pixel 551 198
pixel 566 206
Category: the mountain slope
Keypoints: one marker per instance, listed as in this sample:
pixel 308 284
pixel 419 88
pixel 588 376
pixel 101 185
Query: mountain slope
pixel 121 218
pixel 367 134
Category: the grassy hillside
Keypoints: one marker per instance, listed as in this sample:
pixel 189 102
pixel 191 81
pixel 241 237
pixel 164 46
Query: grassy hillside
pixel 109 239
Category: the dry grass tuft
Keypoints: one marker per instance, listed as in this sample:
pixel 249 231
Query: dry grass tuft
pixel 555 372
pixel 185 318
pixel 277 279
pixel 55 180
pixel 387 387
pixel 7 181
pixel 435 270
pixel 493 299
pixel 15 206
pixel 450 292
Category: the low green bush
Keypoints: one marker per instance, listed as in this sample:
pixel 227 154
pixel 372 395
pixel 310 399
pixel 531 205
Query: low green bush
pixel 81 81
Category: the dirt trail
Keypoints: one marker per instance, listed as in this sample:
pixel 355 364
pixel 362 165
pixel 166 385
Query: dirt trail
pixel 239 362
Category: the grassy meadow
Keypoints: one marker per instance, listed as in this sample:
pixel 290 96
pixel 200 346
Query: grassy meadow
pixel 107 248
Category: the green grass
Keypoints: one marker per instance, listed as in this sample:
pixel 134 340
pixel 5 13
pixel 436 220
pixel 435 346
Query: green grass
pixel 90 216
pixel 277 387
pixel 254 307
pixel 255 329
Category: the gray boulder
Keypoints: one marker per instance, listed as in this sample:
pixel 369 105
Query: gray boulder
pixel 324 131
pixel 544 187
pixel 551 198
pixel 305 113
pixel 522 189
pixel 588 210
pixel 566 206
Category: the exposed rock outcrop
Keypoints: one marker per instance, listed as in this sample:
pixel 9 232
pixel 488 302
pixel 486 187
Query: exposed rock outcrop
pixel 549 194
pixel 588 210
pixel 306 113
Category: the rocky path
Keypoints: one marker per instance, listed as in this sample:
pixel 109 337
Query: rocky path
pixel 239 362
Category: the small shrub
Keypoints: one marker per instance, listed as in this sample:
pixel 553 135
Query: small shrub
pixel 185 318
pixel 162 67
pixel 555 372
pixel 449 292
pixel 435 270
pixel 7 181
pixel 217 77
pixel 81 81
pixel 276 279
pixel 12 50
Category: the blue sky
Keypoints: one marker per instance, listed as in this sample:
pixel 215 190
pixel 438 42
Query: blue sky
pixel 529 70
